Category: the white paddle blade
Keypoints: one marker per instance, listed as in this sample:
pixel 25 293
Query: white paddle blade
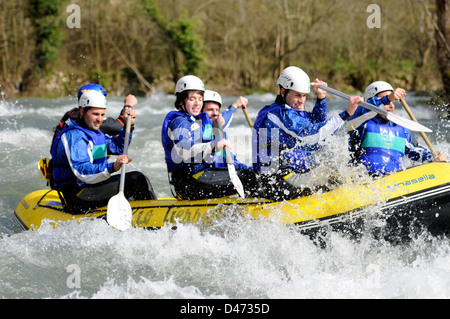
pixel 411 125
pixel 235 180
pixel 119 214
pixel 408 124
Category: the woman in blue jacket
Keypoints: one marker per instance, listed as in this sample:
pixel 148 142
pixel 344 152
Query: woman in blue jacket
pixel 81 170
pixel 286 137
pixel 191 149
pixel 379 144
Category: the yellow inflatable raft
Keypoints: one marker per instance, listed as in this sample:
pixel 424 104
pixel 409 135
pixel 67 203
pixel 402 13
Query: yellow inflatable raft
pixel 420 193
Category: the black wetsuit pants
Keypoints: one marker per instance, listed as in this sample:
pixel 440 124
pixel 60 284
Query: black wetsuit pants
pixel 212 183
pixel 91 196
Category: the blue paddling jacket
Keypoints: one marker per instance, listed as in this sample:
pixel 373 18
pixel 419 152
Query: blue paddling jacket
pixel 80 155
pixel 220 156
pixel 189 140
pixel 382 145
pixel 228 116
pixel 285 137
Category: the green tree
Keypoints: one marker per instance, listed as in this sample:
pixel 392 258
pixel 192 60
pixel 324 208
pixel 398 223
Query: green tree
pixel 183 38
pixel 45 16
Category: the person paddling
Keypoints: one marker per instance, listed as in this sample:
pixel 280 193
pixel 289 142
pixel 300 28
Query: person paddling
pixel 379 144
pixel 110 125
pixel 81 170
pixel 212 104
pixel 286 137
pixel 190 147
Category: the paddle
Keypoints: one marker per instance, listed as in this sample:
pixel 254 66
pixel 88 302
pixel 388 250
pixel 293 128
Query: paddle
pixel 424 136
pixel 408 124
pixel 247 117
pixel 230 163
pixel 119 214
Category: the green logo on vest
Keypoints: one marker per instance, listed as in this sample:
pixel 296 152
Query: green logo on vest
pixel 99 152
pixel 385 142
pixel 208 132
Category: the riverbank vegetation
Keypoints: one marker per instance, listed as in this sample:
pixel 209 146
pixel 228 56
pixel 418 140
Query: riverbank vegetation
pixel 51 47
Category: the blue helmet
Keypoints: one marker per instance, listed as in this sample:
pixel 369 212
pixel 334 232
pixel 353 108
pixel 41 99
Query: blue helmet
pixel 91 86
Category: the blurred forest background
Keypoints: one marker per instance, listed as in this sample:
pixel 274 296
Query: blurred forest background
pixel 48 48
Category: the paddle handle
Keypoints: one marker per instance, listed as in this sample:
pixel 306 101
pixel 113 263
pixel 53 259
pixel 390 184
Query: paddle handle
pixel 424 136
pixel 125 152
pixel 230 162
pixel 247 117
pixel 406 123
pixel 347 97
pixel 222 136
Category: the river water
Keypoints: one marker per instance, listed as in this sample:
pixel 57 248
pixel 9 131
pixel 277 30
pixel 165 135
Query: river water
pixel 255 259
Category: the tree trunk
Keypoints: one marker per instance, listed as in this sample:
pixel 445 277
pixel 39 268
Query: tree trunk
pixel 443 44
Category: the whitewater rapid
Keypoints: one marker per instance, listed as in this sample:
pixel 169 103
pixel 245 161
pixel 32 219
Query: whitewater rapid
pixel 254 259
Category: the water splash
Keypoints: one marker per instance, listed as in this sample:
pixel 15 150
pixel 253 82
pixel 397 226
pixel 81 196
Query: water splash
pixel 234 257
pixel 248 259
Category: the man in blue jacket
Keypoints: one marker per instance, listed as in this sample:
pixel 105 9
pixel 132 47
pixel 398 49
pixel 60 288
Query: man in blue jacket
pixel 110 126
pixel 379 144
pixel 286 137
pixel 81 170
pixel 212 102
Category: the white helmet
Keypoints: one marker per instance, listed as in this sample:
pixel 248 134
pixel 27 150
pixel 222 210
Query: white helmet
pixel 375 88
pixel 189 83
pixel 93 98
pixel 294 78
pixel 212 96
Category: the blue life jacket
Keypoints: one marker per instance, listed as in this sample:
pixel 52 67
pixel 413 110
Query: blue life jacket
pixel 272 147
pixel 228 116
pixel 285 137
pixel 79 155
pixel 383 147
pixel 181 133
pixel 387 157
pixel 96 152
